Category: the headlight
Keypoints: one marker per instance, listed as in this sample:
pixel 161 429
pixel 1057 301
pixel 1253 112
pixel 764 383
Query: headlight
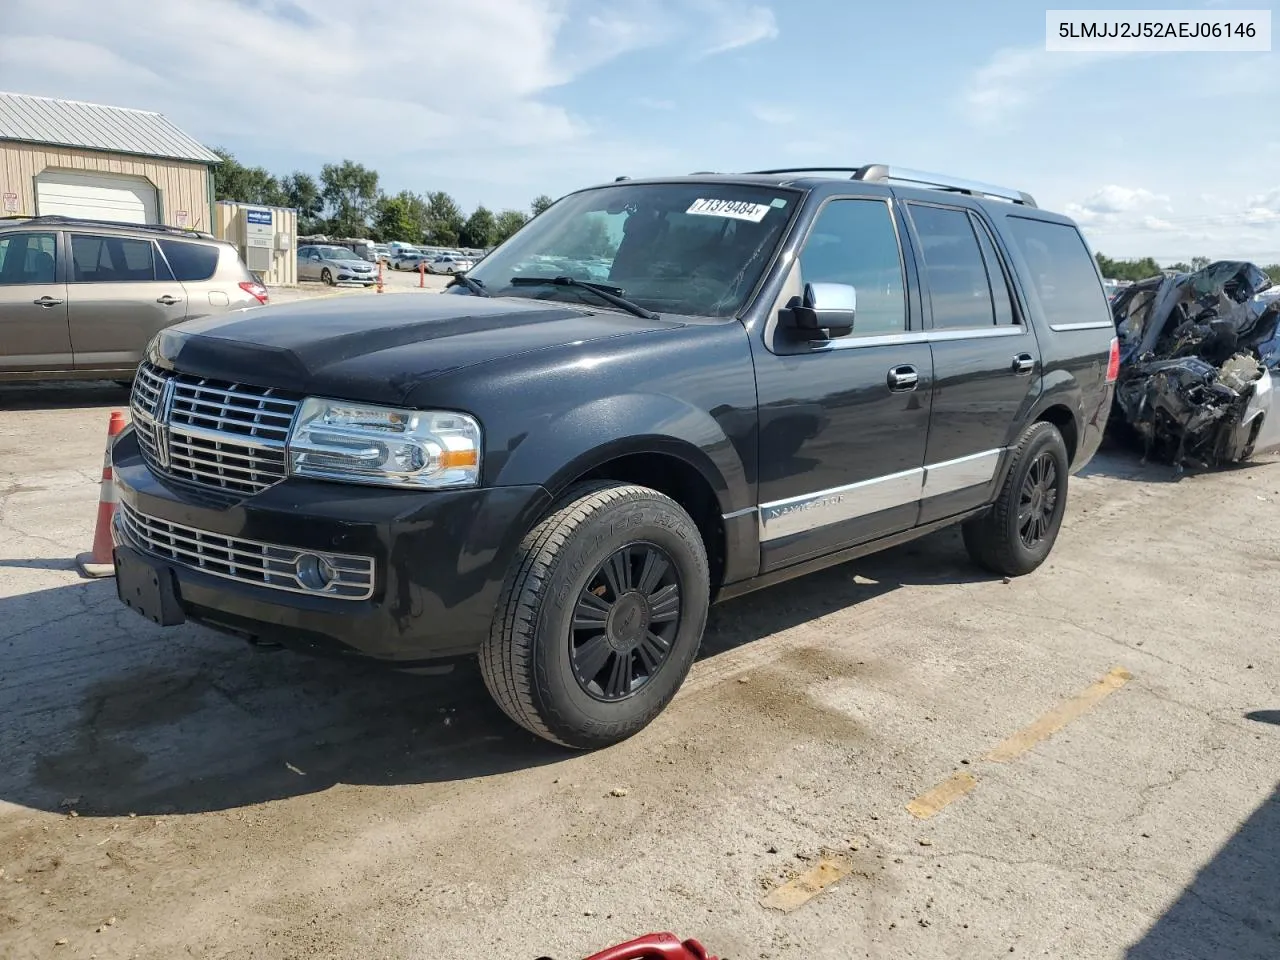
pixel 359 443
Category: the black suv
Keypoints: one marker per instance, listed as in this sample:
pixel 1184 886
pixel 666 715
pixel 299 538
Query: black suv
pixel 659 393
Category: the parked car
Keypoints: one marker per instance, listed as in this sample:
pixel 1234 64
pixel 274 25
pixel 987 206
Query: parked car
pixel 783 371
pixel 410 259
pixel 334 265
pixel 449 263
pixel 381 253
pixel 81 298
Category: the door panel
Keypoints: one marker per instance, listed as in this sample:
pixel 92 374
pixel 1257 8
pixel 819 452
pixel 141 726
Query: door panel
pixel 841 450
pixel 985 359
pixel 104 196
pixel 116 304
pixel 33 305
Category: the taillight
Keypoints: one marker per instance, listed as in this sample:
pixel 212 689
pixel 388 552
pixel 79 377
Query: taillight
pixel 254 289
pixel 1113 362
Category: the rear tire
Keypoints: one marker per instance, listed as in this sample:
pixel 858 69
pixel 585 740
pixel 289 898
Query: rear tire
pixel 1019 531
pixel 600 617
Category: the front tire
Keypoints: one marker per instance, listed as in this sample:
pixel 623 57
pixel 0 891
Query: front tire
pixel 327 277
pixel 1016 535
pixel 600 617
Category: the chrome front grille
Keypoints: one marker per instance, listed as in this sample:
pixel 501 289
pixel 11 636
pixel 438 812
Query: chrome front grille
pixel 212 433
pixel 246 561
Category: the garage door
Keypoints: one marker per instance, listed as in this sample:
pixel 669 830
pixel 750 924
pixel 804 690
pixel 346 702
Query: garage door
pixel 102 196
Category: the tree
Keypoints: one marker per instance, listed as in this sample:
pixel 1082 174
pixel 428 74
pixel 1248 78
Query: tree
pixel 1273 272
pixel 444 219
pixel 1180 267
pixel 540 203
pixel 588 238
pixel 479 230
pixel 303 193
pixel 508 222
pixel 350 191
pixel 232 180
pixel 395 219
pixel 1199 263
pixel 1128 269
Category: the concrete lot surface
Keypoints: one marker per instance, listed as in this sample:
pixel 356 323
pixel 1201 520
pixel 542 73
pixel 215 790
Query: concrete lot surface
pixel 393 281
pixel 1107 730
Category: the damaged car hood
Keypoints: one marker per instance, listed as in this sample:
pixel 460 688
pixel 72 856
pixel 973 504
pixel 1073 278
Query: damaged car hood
pixel 1199 354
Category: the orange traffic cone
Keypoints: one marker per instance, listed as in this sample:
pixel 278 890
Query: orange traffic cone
pixel 99 563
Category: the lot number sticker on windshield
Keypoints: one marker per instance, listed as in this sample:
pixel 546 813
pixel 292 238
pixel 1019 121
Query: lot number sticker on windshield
pixel 737 209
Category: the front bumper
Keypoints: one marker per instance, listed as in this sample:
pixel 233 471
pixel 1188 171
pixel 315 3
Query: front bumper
pixel 439 559
pixel 349 276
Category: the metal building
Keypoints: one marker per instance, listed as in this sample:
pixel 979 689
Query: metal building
pixel 109 163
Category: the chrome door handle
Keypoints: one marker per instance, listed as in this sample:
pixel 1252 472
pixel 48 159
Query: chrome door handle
pixel 1024 363
pixel 167 300
pixel 903 377
pixel 47 302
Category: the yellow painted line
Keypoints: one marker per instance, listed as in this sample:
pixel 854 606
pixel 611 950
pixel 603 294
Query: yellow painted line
pixel 796 893
pixel 1057 718
pixel 933 801
pixel 947 792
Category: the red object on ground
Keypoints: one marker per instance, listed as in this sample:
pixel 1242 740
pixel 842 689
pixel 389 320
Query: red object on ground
pixel 655 946
pixel 99 562
pixel 379 276
pixel 422 274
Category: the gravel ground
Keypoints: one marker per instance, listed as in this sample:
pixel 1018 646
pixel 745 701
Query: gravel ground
pixel 393 281
pixel 176 793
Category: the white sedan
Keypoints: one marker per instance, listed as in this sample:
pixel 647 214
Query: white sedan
pixel 449 263
pixel 409 260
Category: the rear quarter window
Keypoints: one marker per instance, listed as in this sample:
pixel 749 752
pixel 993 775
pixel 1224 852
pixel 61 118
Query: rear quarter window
pixel 190 261
pixel 1062 272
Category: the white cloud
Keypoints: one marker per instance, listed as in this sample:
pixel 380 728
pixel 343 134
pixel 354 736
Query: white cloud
pixel 1133 221
pixel 323 80
pixel 1265 203
pixel 732 25
pixel 1014 78
pixel 771 114
pixel 1113 205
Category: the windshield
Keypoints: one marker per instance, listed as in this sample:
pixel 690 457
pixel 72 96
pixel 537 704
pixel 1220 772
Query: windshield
pixel 695 248
pixel 338 253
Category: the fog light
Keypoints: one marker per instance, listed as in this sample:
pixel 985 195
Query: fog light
pixel 315 573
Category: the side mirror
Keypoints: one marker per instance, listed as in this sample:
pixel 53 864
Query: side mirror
pixel 825 310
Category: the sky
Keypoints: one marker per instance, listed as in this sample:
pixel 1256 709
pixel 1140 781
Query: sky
pixel 1171 155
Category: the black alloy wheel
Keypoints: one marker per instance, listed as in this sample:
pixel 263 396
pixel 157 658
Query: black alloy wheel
pixel 1038 500
pixel 625 622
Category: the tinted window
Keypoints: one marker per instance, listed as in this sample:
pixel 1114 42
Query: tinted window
pixel 954 269
pixel 1062 271
pixel 111 259
pixel 1000 294
pixel 190 261
pixel 854 242
pixel 28 258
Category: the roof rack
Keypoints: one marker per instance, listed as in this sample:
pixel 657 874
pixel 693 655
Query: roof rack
pixel 53 219
pixel 883 173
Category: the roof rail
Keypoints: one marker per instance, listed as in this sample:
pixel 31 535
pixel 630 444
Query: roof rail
pixel 883 173
pixel 54 219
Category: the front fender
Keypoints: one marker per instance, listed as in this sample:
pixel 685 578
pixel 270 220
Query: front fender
pixel 586 436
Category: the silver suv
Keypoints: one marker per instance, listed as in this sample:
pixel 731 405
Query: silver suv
pixel 80 299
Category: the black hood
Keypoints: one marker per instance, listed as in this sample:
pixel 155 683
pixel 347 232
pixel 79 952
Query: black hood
pixel 377 348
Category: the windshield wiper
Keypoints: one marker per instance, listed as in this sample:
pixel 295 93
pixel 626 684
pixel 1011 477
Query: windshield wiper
pixel 603 291
pixel 475 286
